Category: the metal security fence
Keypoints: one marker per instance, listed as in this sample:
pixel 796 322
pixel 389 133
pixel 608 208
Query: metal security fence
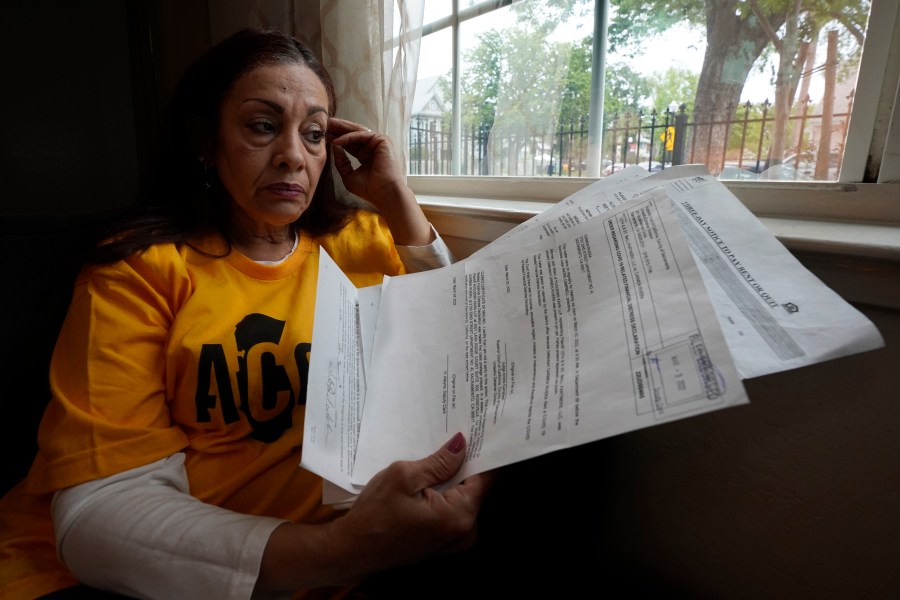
pixel 735 148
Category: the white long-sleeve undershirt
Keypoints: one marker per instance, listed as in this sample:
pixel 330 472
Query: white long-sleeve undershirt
pixel 140 533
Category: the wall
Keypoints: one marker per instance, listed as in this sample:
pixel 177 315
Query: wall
pixel 69 139
pixel 793 496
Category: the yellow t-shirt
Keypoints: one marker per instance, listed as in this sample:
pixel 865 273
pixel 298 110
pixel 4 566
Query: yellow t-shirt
pixel 171 350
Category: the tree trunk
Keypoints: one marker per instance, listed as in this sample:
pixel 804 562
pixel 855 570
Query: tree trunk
pixel 733 44
pixel 801 99
pixel 790 43
pixel 823 156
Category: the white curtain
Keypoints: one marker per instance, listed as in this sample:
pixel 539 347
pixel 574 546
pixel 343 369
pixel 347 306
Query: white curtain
pixel 370 47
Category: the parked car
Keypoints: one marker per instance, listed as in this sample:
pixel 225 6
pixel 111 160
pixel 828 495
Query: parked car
pixel 784 172
pixel 735 172
pixel 806 164
pixel 793 168
pixel 653 167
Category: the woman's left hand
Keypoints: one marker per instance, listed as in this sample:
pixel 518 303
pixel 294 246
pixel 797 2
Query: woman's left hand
pixel 378 179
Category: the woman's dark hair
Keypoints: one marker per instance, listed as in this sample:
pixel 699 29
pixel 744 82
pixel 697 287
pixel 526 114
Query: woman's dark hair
pixel 184 198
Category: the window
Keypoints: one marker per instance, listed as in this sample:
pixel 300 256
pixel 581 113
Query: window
pixel 581 88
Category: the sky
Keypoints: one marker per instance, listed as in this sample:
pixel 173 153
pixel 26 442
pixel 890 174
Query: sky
pixel 685 48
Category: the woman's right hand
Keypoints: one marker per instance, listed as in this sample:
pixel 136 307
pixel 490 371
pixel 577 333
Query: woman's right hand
pixel 401 511
pixel 399 518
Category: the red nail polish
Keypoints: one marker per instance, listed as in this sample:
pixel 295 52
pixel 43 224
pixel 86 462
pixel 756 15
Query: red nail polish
pixel 456 443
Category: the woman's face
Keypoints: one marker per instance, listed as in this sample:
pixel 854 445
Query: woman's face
pixel 271 144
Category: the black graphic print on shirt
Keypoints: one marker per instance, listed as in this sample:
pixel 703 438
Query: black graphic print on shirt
pixel 267 425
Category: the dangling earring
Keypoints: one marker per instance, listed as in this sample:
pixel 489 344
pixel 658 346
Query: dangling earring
pixel 206 179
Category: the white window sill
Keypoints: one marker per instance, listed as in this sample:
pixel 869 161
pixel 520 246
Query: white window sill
pixel 861 220
pixel 859 258
pixel 850 239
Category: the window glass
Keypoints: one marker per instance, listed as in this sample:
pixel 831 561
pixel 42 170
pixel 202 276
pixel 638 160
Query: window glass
pixel 755 90
pixel 437 9
pixel 429 125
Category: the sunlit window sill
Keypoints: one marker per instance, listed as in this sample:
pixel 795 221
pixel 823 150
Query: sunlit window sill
pixel 862 239
pixel 849 239
pixel 858 258
pixel 861 220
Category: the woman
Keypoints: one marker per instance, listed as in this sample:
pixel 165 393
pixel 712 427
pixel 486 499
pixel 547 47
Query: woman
pixel 172 441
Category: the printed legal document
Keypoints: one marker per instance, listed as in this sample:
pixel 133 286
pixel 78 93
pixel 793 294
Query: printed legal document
pixel 579 335
pixel 776 315
pixel 638 300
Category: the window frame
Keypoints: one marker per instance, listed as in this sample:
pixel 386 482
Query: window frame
pixel 868 156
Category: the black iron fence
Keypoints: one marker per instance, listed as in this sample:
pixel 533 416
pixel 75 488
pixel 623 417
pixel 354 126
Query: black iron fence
pixel 738 148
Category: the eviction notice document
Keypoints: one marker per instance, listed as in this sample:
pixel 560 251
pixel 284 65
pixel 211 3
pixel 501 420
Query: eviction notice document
pixel 775 314
pixel 594 330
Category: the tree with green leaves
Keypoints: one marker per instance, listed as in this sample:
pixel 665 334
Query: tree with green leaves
pixel 576 96
pixel 675 85
pixel 513 85
pixel 517 79
pixel 479 89
pixel 795 47
pixel 737 34
pixel 733 45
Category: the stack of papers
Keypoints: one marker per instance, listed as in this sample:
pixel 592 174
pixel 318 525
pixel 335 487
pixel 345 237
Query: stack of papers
pixel 639 300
